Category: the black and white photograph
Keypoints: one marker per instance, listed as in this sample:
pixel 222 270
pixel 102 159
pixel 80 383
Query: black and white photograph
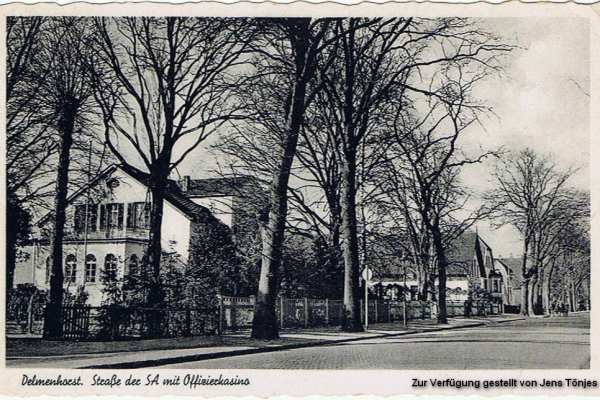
pixel 221 194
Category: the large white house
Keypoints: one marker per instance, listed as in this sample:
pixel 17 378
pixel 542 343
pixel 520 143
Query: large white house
pixel 115 234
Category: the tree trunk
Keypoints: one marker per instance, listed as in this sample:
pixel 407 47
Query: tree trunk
pixel 52 317
pixel 11 245
pixel 264 323
pixel 531 295
pixel 525 282
pixel 525 296
pixel 441 264
pixel 426 280
pixel 156 294
pixel 351 316
pixel 573 296
pixel 546 289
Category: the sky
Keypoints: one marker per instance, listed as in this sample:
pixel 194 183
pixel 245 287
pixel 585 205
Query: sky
pixel 540 100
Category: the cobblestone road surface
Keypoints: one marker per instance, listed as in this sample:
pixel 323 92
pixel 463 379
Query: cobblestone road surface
pixel 540 343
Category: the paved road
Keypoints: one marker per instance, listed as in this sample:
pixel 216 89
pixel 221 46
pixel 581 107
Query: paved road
pixel 549 343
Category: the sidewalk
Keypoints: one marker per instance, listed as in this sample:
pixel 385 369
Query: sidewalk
pixel 36 353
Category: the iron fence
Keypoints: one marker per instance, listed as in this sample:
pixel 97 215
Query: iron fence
pixel 84 322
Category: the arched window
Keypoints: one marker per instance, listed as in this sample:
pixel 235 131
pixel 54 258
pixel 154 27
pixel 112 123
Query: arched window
pixel 70 268
pixel 134 265
pixel 90 268
pixel 110 266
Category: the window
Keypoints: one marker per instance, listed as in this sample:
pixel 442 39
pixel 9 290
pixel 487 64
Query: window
pixel 138 215
pixel 90 268
pixel 110 266
pixel 70 268
pixel 111 216
pixel 134 265
pixel 79 223
pixel 496 287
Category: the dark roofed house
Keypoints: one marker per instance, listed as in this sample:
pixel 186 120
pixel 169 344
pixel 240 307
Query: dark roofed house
pixel 472 256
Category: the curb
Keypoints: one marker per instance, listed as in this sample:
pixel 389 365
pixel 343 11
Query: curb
pixel 259 350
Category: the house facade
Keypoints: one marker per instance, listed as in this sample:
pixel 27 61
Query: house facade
pixel 471 265
pixel 472 256
pixel 511 267
pixel 115 234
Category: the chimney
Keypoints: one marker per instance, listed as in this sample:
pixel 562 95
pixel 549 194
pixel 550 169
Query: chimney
pixel 184 183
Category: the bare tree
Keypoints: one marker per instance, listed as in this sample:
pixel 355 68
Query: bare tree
pixel 377 64
pixel 570 285
pixel 29 144
pixel 531 195
pixel 22 45
pixel 566 222
pixel 165 88
pixel 64 95
pixel 301 40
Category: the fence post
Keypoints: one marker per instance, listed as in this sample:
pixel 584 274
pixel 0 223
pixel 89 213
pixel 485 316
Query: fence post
pixel 326 311
pixel 376 313
pixel 305 312
pixel 232 312
pixel 221 314
pixel 281 319
pixel 362 310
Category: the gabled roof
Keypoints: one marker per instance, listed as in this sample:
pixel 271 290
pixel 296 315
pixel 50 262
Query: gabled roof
pixel 461 253
pixel 513 265
pixel 106 172
pixel 463 250
pixel 173 195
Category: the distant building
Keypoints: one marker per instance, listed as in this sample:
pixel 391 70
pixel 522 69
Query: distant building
pixel 115 234
pixel 512 268
pixel 471 264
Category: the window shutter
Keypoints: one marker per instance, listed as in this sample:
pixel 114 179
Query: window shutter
pixel 146 214
pixel 120 217
pixel 130 215
pixel 103 216
pixel 79 221
pixel 93 217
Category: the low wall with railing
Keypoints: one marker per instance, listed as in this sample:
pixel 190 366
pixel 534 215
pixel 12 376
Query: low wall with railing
pixel 236 313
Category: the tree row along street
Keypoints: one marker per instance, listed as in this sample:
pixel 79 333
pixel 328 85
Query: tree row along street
pixel 346 138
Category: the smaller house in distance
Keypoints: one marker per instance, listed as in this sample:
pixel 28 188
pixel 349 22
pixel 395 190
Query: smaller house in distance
pixel 471 265
pixel 473 257
pixel 512 268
